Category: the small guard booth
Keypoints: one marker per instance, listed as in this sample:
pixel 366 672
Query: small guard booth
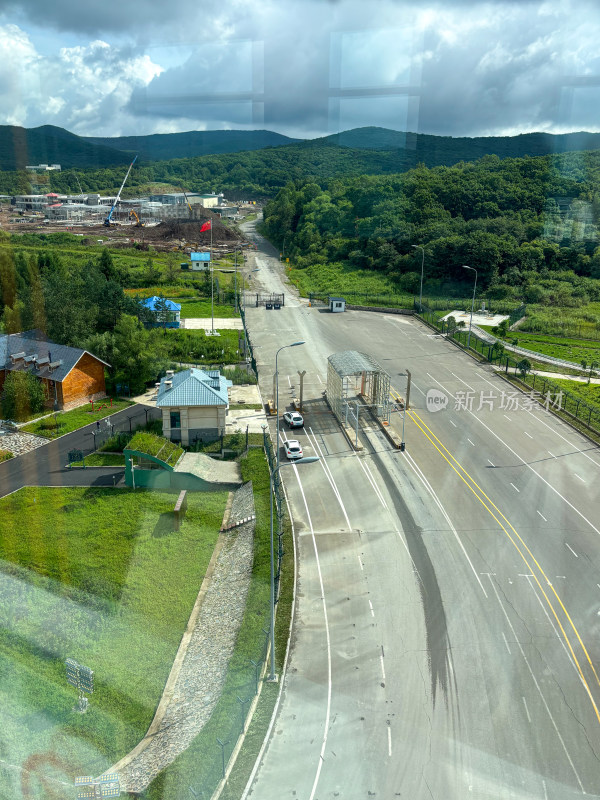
pixel 337 304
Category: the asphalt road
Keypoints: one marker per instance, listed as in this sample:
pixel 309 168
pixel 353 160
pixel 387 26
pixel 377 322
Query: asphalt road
pixel 46 465
pixel 446 639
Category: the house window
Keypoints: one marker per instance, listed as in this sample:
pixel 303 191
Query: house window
pixel 175 419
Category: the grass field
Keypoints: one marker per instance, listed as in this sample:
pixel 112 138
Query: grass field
pixel 202 309
pixel 77 418
pixel 574 350
pixel 96 575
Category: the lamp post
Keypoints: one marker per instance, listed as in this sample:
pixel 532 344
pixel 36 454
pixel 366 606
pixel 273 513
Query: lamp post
pixel 293 344
pixel 422 249
pixel 305 460
pixel 464 266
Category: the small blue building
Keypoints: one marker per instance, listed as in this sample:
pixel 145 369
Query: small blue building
pixel 167 312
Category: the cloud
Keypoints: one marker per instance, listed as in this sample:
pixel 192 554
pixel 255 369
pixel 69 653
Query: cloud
pixel 304 67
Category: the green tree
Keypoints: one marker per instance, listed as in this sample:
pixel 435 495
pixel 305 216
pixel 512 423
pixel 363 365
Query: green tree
pixel 22 395
pixel 524 366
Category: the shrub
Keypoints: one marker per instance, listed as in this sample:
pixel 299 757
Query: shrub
pixel 22 396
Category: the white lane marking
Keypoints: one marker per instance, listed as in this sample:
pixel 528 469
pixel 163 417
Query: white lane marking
pixel 470 442
pixel 412 383
pixel 571 549
pixel 508 418
pixel 377 489
pixel 361 563
pixel 382 667
pixel 564 438
pixel 380 497
pixel 552 454
pixel 579 476
pixel 438 503
pixel 528 434
pixel 319 377
pixel 465 383
pixel 453 423
pixel 289 381
pixel 557 633
pixel 537 686
pixel 506 643
pixel 489 462
pixel 526 709
pixel 545 790
pixel 371 608
pixel 328 473
pixel 508 447
pixel 542 516
pixel 515 488
pixel 322 589
pixel 389 741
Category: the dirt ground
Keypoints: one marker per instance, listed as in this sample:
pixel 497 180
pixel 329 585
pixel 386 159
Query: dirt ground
pixel 173 234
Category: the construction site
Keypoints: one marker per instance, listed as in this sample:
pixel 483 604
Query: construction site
pixel 165 221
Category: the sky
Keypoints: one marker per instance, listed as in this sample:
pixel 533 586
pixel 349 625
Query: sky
pixel 303 68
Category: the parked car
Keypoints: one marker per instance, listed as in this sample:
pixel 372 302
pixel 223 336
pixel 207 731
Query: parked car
pixel 293 449
pixel 294 419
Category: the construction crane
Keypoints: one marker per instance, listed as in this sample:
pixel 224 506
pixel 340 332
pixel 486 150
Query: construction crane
pixel 187 201
pixel 107 221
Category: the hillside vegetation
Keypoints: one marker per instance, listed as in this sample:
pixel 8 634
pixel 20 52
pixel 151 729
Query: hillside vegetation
pixel 529 226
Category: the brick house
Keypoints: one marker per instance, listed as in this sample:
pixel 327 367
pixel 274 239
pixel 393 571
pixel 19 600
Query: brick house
pixel 70 376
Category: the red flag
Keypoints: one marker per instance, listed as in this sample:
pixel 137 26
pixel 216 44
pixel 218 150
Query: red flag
pixel 205 227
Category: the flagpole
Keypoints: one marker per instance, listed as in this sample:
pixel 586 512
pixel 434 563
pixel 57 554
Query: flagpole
pixel 212 287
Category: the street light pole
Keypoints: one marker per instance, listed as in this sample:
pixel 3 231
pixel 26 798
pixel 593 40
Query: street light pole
pixel 472 304
pixel 422 249
pixel 293 344
pixel 305 460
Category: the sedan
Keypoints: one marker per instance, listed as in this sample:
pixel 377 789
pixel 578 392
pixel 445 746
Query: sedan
pixel 293 419
pixel 293 449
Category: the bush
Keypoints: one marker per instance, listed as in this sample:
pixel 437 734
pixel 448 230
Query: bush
pixel 22 396
pixel 5 455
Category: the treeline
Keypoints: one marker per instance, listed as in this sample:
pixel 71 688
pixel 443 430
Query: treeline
pixel 519 222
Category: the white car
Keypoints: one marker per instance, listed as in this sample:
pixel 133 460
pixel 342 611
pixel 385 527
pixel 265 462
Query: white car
pixel 293 449
pixel 293 419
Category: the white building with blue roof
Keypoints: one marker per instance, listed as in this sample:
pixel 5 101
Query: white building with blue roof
pixel 194 405
pixel 167 312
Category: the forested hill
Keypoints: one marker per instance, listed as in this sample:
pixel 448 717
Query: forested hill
pixel 165 146
pixel 21 147
pixel 530 226
pixel 436 151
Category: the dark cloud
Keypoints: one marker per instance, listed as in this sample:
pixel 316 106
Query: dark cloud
pixel 310 67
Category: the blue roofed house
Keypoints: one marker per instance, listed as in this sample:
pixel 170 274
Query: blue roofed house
pixel 194 405
pixel 167 312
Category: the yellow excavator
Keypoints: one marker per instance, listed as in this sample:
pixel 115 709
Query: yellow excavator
pixel 138 221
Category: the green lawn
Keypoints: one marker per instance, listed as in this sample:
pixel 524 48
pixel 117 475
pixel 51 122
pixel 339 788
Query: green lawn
pixel 77 418
pixel 156 446
pixel 102 460
pixel 201 309
pixel 97 575
pixel 559 347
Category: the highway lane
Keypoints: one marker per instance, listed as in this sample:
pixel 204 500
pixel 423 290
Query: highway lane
pixel 485 694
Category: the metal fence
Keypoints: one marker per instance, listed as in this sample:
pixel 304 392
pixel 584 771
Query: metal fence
pixel 544 390
pixel 279 499
pixel 111 426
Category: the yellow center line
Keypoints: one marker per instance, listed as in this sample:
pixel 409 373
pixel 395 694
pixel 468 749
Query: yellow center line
pixel 522 542
pixel 422 428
